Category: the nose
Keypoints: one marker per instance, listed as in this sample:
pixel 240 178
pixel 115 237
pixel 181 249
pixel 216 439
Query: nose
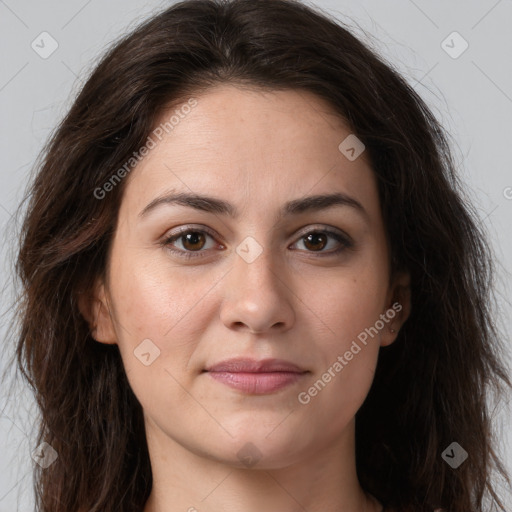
pixel 257 300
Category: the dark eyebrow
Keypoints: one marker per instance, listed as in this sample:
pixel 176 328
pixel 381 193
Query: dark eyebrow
pixel 219 206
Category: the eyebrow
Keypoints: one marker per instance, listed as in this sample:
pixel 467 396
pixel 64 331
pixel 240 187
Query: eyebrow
pixel 219 206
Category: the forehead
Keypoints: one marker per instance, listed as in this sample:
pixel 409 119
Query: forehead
pixel 249 143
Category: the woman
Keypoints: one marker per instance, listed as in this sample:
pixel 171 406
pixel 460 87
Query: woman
pixel 250 281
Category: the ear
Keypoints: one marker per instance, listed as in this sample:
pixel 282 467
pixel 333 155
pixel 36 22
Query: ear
pixel 95 308
pixel 399 303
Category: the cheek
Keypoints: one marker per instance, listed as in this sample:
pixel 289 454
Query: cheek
pixel 154 297
pixel 157 320
pixel 349 352
pixel 348 304
pixel 349 315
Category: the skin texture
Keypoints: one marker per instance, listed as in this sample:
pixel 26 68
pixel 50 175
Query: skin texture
pixel 257 150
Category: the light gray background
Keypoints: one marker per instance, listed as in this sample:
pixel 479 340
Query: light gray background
pixel 471 95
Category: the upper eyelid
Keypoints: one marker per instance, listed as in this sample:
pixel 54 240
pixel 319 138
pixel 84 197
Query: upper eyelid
pixel 321 227
pixel 305 229
pixel 301 232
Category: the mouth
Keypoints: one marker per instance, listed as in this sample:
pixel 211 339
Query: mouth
pixel 256 377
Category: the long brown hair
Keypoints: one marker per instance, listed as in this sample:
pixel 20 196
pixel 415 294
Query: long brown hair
pixel 431 386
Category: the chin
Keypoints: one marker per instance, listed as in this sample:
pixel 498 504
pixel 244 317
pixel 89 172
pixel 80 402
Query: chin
pixel 261 448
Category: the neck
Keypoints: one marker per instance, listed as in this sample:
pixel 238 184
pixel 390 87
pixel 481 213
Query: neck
pixel 324 479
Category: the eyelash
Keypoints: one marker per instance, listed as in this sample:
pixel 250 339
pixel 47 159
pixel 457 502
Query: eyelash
pixel 345 242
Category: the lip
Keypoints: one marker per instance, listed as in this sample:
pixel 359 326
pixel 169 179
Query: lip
pixel 256 377
pixel 246 365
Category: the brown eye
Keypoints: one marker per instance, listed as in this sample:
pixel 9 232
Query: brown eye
pixel 193 240
pixel 189 242
pixel 315 241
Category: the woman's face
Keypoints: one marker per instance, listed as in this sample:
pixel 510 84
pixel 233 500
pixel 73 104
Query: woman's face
pixel 286 258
